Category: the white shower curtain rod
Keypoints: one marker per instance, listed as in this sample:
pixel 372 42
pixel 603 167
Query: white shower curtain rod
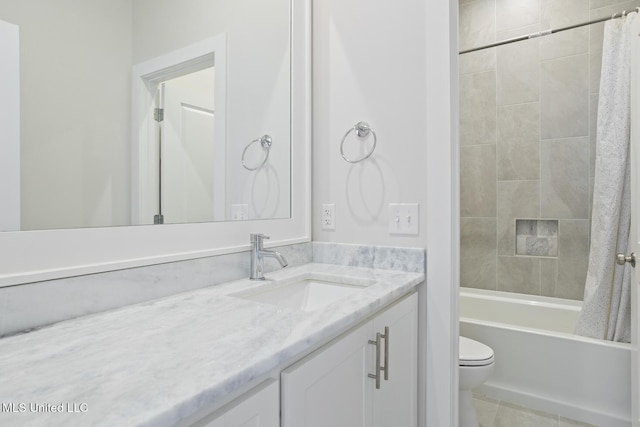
pixel 548 32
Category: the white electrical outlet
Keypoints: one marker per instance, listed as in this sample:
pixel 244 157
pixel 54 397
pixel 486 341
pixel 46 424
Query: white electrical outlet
pixel 240 212
pixel 404 218
pixel 329 216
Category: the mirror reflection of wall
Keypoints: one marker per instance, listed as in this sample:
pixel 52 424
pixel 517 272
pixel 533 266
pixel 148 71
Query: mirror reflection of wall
pixel 76 60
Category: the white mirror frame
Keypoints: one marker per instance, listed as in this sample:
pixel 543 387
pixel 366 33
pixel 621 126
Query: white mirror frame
pixel 31 256
pixel 10 127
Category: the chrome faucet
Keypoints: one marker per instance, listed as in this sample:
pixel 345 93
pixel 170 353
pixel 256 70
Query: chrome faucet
pixel 257 255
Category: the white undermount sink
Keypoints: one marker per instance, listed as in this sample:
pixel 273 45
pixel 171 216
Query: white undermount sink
pixel 304 293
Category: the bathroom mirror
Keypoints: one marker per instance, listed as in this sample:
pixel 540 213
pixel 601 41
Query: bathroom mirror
pixel 40 256
pixel 94 152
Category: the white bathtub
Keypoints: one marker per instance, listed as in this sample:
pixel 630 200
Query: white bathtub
pixel 541 364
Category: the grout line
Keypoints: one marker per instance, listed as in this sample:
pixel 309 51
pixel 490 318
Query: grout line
pixel 497 230
pixel 540 153
pixel 564 138
pixel 478 217
pixel 518 180
pixel 487 71
pixel 564 57
pixel 477 145
pixel 495 95
pixel 517 104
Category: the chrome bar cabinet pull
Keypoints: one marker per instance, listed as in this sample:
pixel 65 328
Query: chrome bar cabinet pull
pixel 377 343
pixel 379 367
pixel 386 353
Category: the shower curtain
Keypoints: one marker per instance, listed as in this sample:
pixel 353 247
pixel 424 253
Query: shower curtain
pixel 606 311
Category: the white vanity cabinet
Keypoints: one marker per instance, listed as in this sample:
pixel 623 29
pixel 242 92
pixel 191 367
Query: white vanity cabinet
pixel 333 386
pixel 396 402
pixel 259 407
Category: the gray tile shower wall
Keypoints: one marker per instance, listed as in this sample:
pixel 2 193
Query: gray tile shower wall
pixel 527 134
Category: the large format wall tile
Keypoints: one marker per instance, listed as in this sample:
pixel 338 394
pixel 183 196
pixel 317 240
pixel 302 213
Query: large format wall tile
pixel 608 8
pixel 477 23
pixel 517 74
pixel 573 258
pixel 564 178
pixel 517 32
pixel 519 274
pixel 511 14
pixel 516 199
pixel 478 182
pixel 478 62
pixel 548 276
pixel 597 4
pixel 564 97
pixel 566 43
pixel 595 70
pixel 560 13
pixel 596 36
pixel 518 142
pixel 478 108
pixel 478 253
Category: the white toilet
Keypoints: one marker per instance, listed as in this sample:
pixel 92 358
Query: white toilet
pixel 476 366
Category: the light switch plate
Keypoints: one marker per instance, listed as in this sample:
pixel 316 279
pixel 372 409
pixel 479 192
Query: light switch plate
pixel 404 218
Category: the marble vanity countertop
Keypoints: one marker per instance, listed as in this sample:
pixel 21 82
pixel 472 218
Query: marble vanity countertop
pixel 156 363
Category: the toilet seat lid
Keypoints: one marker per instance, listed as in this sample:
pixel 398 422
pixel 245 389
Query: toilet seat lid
pixel 474 353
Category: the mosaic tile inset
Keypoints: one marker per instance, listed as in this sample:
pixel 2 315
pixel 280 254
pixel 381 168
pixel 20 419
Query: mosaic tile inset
pixel 537 237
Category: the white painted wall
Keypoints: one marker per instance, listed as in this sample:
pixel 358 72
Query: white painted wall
pixel 258 75
pixel 394 65
pixel 443 213
pixel 64 135
pixel 370 65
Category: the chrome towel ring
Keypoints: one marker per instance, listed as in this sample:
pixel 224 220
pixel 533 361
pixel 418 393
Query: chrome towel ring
pixel 362 130
pixel 265 141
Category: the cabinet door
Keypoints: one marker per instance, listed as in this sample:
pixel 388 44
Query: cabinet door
pixel 259 407
pixel 331 387
pixel 395 403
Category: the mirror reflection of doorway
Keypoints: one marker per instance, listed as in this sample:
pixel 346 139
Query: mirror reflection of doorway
pixel 186 191
pixel 179 135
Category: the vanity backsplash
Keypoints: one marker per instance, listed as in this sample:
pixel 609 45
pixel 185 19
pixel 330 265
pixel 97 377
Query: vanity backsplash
pixel 34 305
